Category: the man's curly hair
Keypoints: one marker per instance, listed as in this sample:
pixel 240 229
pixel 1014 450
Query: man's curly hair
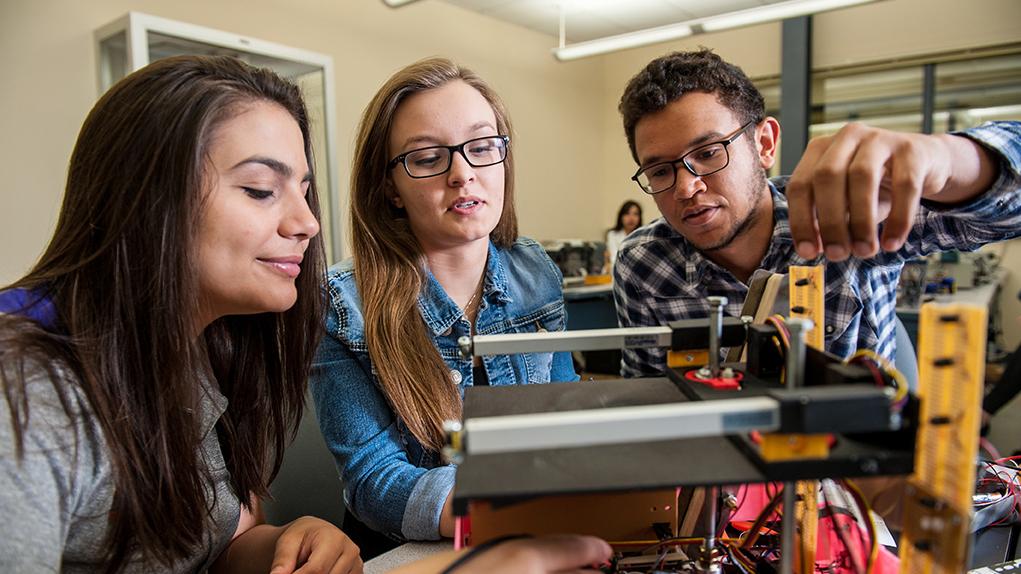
pixel 669 77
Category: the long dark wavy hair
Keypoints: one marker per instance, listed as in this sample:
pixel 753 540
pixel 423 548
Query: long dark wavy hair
pixel 119 271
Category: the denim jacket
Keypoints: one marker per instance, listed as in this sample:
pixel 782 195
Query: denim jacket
pixel 392 483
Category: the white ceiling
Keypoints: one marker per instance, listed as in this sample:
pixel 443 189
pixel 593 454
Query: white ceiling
pixel 591 19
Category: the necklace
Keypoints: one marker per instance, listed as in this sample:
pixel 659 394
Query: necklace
pixel 471 300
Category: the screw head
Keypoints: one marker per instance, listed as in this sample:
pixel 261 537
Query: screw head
pixel 464 344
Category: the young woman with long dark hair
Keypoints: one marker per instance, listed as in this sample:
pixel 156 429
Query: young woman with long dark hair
pixel 629 218
pixel 155 359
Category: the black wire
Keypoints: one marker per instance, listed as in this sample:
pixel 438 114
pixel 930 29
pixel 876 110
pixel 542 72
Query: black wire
pixel 476 550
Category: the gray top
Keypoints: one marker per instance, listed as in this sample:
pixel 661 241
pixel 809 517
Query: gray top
pixel 56 499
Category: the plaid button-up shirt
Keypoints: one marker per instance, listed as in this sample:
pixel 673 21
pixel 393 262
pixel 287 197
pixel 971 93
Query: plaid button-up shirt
pixel 660 277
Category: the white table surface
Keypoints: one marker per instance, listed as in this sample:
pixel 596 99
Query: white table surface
pixel 981 295
pixel 406 553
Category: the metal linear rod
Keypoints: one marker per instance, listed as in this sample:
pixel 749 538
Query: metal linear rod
pixel 716 305
pixel 551 342
pixel 619 425
pixel 788 527
pixel 795 370
pixel 706 563
pixel 795 378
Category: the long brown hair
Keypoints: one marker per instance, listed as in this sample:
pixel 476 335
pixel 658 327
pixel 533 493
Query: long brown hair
pixel 119 273
pixel 389 263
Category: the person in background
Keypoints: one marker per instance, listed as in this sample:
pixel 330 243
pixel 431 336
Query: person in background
pixel 436 257
pixel 154 362
pixel 629 218
pixel 860 202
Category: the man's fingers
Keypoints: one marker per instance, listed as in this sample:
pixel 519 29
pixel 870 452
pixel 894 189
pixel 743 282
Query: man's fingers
pixel 850 183
pixel 864 176
pixel 800 202
pixel 829 184
pixel 906 181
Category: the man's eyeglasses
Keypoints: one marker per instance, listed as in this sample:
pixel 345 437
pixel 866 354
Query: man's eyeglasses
pixel 436 160
pixel 703 160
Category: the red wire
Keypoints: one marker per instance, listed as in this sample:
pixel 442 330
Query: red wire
pixel 1010 487
pixel 760 521
pixel 847 556
pixel 877 375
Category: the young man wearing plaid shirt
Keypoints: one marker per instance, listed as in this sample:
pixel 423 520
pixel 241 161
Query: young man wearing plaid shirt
pixel 861 202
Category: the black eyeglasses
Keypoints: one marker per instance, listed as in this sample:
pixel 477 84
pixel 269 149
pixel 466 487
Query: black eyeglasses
pixel 703 160
pixel 436 160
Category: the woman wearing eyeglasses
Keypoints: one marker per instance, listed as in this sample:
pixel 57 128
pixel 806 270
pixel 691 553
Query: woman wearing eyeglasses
pixel 436 257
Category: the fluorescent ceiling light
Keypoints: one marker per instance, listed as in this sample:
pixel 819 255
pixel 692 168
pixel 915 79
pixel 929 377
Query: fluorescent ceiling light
pixel 397 3
pixel 999 111
pixel 771 12
pixel 767 13
pixel 622 42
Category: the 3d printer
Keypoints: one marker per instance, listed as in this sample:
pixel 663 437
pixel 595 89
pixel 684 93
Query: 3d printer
pixel 619 458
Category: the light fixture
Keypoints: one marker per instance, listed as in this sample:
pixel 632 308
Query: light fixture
pixel 758 15
pixel 622 42
pixel 771 12
pixel 397 3
pixel 997 112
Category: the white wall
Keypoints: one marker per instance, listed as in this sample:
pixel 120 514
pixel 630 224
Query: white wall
pixel 48 62
pixel 573 164
pixel 881 32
